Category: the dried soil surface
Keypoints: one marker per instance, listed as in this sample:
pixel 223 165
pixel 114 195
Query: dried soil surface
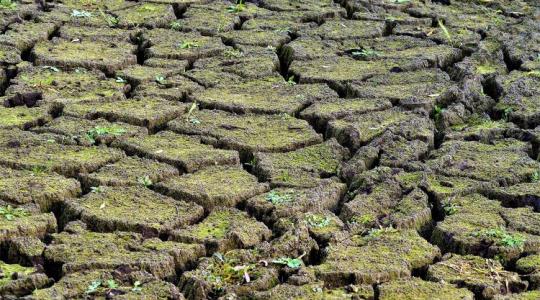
pixel 270 149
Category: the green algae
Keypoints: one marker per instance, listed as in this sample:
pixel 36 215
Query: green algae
pixel 23 117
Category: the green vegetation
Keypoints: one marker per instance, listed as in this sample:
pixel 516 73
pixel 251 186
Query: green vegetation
pixel 238 7
pixel 318 220
pixel 535 177
pixel 233 53
pixel 7 4
pixel 99 131
pixel 38 170
pixel 145 181
pixel 97 189
pixel 293 263
pixel 450 208
pixel 95 285
pixel 501 237
pixel 176 25
pixel 363 219
pixel 276 197
pixel 228 271
pixel 188 45
pixel 51 68
pixel 9 213
pixel 291 81
pixel 445 30
pixel 81 14
pixel 120 80
pixel 365 53
pixel 161 79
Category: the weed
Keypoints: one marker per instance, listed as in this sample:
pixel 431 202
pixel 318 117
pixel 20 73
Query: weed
pixel 437 112
pixel 145 181
pixel 291 81
pixel 228 271
pixel 535 177
pixel 93 286
pixel 9 213
pixel 450 208
pixel 7 4
pixel 318 221
pixel 188 45
pixel 97 189
pixel 137 287
pixel 283 30
pixel 51 68
pixel 81 14
pixel 189 114
pixel 401 1
pixel 92 134
pixel 238 7
pixel 120 80
pixel 284 176
pixel 176 25
pixel 233 53
pixel 276 197
pixel 293 263
pixel 506 113
pixel 363 219
pixel 161 79
pixel 445 31
pixel 366 53
pixel 501 237
pixel 194 121
pixel 374 233
pixel 38 170
pixel 112 21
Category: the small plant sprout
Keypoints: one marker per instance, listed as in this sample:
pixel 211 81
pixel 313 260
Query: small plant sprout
pixel 112 21
pixel 318 221
pixel 283 30
pixel 535 177
pixel 97 189
pixel 291 80
pixel 363 219
pixel 437 112
pixel 284 176
pixel 501 237
pixel 238 7
pixel 450 208
pixel 189 115
pixel 7 4
pixel 38 170
pixel 276 197
pixel 10 213
pixel 137 287
pixel 120 80
pixel 112 284
pixel 293 263
pixel 374 233
pixel 445 30
pixel 145 181
pixel 176 25
pixel 233 53
pixel 161 79
pixel 93 286
pixel 188 45
pixel 401 1
pixel 98 131
pixel 506 113
pixel 81 14
pixel 51 68
pixel 365 53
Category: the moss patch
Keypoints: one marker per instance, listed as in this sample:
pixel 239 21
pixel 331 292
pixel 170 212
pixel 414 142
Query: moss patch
pixel 206 187
pixel 249 132
pixel 132 209
pixel 182 151
pixel 223 230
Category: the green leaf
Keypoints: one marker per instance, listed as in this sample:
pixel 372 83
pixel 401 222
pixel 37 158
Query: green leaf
pixel 93 286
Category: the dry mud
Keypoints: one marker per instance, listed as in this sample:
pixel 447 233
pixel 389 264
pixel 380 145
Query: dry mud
pixel 273 149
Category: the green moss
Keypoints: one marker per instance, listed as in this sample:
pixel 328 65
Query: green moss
pixel 376 259
pixel 529 264
pixel 250 132
pixel 86 54
pixel 183 151
pixel 486 69
pixel 417 289
pixel 146 14
pixel 316 291
pixel 9 270
pixel 272 95
pixel 223 230
pixel 23 117
pixel 166 44
pixel 132 209
pixel 205 187
pixel 26 223
pixel 256 38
